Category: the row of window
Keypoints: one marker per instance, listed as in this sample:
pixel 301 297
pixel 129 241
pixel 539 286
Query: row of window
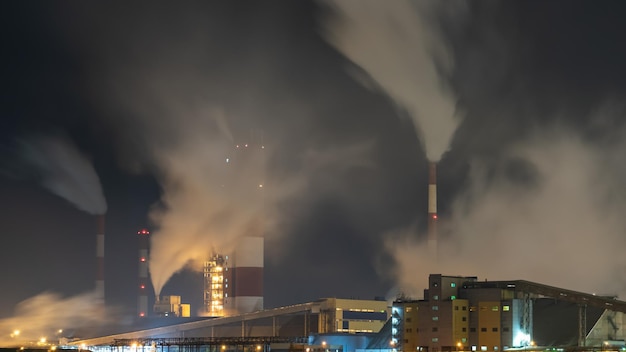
pixel 435 329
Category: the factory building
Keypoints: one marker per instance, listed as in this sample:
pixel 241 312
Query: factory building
pixel 352 316
pixel 460 313
pixel 171 306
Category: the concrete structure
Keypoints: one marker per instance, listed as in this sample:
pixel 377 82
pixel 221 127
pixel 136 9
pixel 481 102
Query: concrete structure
pixel 460 313
pixel 100 257
pixel 171 306
pixel 243 289
pixel 432 209
pixel 352 316
pixel 142 299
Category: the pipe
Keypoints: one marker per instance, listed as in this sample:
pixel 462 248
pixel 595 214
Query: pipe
pixel 100 257
pixel 432 209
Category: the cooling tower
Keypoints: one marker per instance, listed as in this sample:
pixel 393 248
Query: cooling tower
pixel 100 257
pixel 432 208
pixel 142 299
pixel 245 292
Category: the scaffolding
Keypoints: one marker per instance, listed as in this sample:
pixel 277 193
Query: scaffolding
pixel 214 284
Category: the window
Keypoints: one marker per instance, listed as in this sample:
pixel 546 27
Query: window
pixel 464 308
pixel 409 330
pixel 505 329
pixel 494 329
pixel 495 348
pixel 435 329
pixel 472 329
pixel 495 308
pixel 435 318
pixel 483 308
pixel 464 329
pixel 452 284
pixel 435 339
pixel 463 318
pixel 483 348
pixel 473 348
pixel 435 298
pixel 472 309
pixel 452 298
pixel 505 308
pixel 408 320
pixel 406 341
pixel 483 329
pixel 435 307
pixel 456 307
pixel 464 339
pixel 408 309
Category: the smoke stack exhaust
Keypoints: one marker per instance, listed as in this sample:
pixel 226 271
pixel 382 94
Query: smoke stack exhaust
pixel 432 209
pixel 142 300
pixel 100 257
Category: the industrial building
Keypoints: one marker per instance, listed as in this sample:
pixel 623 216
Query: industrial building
pixel 457 313
pixel 460 313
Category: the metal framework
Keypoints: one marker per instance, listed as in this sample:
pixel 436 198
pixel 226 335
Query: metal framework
pixel 214 285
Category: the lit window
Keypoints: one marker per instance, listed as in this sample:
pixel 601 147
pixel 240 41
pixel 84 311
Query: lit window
pixel 495 308
pixel 495 348
pixel 453 284
pixel 452 298
pixel 505 308
pixel 435 298
pixel 408 309
pixel 483 348
pixel 435 339
pixel 474 348
pixel 464 339
pixel 435 307
pixel 435 318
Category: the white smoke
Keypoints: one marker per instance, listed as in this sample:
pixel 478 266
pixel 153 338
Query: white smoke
pixel 398 44
pixel 66 172
pixel 40 321
pixel 562 224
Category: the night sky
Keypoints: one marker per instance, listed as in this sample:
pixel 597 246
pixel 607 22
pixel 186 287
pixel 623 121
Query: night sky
pixel 154 95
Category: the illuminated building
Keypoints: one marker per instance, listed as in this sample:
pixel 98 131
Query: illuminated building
pixel 352 315
pixel 215 284
pixel 171 306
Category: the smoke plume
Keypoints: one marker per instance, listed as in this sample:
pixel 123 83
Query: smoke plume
pixel 549 212
pixel 66 172
pixel 42 320
pixel 397 43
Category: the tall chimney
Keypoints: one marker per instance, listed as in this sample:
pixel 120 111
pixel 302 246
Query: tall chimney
pixel 142 300
pixel 100 257
pixel 432 208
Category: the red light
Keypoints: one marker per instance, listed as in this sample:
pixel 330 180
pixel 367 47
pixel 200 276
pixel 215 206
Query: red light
pixel 142 314
pixel 142 286
pixel 434 216
pixel 143 259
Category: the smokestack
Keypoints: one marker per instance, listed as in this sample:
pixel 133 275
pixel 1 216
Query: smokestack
pixel 142 300
pixel 432 208
pixel 100 257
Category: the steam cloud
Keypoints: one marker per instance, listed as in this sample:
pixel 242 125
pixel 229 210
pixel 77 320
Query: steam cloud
pixel 557 224
pixel 66 172
pixel 398 45
pixel 48 315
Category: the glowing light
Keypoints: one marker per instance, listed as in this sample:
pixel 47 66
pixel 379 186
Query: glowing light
pixel 143 259
pixel 434 216
pixel 258 347
pixel 142 314
pixel 142 286
pixel 42 340
pixel 261 186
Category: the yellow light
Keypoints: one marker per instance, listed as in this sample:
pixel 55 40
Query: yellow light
pixel 53 348
pixel 42 340
pixel 223 347
pixel 258 347
pixel 16 332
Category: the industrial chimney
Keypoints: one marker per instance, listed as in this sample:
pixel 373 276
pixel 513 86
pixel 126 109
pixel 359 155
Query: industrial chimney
pixel 100 257
pixel 142 300
pixel 432 209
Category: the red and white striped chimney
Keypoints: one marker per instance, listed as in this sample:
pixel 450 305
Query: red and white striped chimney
pixel 432 208
pixel 100 257
pixel 142 300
